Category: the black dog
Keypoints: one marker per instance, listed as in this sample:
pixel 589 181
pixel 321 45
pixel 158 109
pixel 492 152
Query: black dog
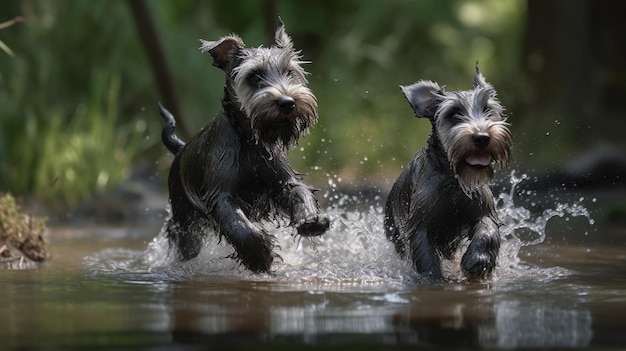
pixel 235 172
pixel 443 197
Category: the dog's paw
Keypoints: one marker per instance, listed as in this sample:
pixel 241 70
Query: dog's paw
pixel 313 226
pixel 255 253
pixel 477 265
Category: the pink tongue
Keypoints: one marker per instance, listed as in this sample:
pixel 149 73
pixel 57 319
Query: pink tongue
pixel 479 159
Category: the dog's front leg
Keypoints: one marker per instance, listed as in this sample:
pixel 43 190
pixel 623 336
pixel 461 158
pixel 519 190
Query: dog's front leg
pixel 480 258
pixel 424 255
pixel 253 245
pixel 298 198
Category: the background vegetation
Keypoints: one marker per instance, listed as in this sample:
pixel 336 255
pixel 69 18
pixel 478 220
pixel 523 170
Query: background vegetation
pixel 78 90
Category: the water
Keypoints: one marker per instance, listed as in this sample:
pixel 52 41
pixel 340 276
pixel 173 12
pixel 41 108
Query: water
pixel 561 282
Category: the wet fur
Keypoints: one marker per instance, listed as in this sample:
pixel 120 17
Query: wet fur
pixel 439 200
pixel 235 173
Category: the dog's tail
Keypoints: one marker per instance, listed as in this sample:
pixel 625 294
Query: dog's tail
pixel 170 140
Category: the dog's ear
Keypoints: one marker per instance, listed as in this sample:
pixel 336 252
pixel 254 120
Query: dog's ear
pixel 479 80
pixel 424 97
pixel 283 41
pixel 223 51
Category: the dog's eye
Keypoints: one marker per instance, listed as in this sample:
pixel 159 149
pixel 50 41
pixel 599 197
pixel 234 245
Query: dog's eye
pixel 455 117
pixel 491 114
pixel 295 73
pixel 256 80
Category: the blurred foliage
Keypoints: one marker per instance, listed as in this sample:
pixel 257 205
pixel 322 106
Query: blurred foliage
pixel 78 97
pixel 89 152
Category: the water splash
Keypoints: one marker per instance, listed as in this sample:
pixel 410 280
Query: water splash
pixel 518 219
pixel 354 252
pixel 520 228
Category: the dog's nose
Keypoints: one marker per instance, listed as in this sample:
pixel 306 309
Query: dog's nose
pixel 286 104
pixel 480 139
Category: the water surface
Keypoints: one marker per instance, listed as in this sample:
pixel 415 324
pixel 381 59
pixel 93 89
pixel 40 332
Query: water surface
pixel 561 282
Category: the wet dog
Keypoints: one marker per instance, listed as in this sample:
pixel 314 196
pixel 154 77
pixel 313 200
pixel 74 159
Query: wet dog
pixel 443 197
pixel 235 173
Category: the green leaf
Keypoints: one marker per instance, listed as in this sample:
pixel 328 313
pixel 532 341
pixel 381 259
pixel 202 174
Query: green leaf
pixel 6 49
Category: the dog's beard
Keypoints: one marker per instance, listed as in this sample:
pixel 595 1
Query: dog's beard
pixel 472 178
pixel 275 129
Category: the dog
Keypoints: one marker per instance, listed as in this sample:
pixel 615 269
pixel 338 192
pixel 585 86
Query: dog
pixel 443 197
pixel 235 173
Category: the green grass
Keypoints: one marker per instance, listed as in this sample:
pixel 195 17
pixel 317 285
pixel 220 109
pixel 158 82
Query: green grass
pixel 89 152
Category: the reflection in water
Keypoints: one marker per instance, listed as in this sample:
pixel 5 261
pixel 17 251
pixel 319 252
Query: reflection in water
pixel 508 324
pixel 541 326
pixel 447 316
pixel 351 282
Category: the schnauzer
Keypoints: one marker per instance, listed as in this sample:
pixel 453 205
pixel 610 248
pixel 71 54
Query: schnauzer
pixel 235 173
pixel 443 197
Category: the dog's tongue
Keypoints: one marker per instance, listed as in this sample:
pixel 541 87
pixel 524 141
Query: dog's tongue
pixel 479 159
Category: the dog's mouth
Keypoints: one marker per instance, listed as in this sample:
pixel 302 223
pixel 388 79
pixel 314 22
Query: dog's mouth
pixel 478 159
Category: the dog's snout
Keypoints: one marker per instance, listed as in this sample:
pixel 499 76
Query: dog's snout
pixel 480 139
pixel 286 104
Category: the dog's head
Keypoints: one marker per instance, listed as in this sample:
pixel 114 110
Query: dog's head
pixel 269 85
pixel 470 125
